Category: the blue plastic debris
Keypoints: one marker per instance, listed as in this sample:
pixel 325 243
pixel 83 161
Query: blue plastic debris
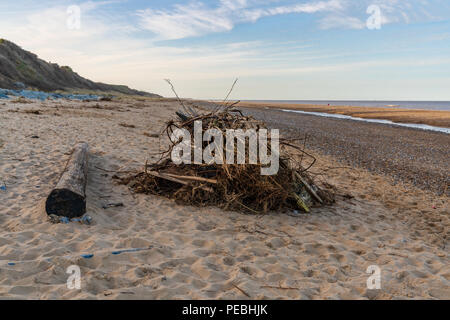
pixel 19 85
pixel 123 251
pixel 64 220
pixel 3 188
pixel 11 264
pixel 39 95
pixel 86 219
pixel 87 256
pixel 130 250
pixel 4 92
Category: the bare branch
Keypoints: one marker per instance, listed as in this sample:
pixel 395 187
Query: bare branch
pixel 187 109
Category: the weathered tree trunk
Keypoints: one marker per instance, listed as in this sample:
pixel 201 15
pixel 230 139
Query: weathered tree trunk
pixel 68 199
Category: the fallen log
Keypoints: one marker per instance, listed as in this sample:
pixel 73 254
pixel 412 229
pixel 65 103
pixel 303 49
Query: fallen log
pixel 68 199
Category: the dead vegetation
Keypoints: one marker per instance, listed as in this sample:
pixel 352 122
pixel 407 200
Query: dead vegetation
pixel 36 112
pixel 126 125
pixel 21 100
pixel 105 107
pixel 28 111
pixel 151 135
pixel 239 187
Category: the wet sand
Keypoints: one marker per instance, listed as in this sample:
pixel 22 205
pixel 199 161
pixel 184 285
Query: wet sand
pixel 430 117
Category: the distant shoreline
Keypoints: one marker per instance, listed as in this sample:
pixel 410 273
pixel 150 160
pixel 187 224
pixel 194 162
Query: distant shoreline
pixel 415 105
pixel 436 118
pixel 417 157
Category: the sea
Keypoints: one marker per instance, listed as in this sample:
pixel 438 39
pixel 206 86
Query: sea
pixel 423 105
pixel 380 121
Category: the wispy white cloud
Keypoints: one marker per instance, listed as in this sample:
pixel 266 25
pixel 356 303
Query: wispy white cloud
pixel 341 21
pixel 392 11
pixel 312 7
pixel 186 21
pixel 49 25
pixel 195 19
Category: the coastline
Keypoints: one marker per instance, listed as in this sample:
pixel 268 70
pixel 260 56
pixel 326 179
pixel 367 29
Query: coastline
pixel 397 115
pixel 417 157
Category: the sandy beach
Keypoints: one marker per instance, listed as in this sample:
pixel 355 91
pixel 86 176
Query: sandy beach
pixel 400 115
pixel 207 253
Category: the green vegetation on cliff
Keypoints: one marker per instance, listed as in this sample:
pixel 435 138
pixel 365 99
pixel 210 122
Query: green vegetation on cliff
pixel 18 65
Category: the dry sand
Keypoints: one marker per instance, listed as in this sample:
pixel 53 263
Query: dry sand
pixel 199 253
pixel 430 117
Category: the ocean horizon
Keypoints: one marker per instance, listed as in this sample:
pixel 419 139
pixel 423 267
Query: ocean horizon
pixel 424 105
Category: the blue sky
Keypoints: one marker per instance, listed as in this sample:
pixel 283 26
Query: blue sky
pixel 279 49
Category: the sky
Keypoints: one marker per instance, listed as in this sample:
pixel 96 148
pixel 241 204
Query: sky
pixel 278 49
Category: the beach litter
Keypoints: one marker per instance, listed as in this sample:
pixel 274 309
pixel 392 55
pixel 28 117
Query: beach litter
pixel 239 187
pixel 84 256
pixel 130 250
pixel 112 205
pixel 64 220
pixel 40 95
pixel 86 219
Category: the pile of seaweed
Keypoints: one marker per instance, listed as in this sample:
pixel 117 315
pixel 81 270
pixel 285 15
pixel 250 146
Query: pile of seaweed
pixel 239 187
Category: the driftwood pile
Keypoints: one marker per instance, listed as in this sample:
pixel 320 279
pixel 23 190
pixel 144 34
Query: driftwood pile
pixel 239 187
